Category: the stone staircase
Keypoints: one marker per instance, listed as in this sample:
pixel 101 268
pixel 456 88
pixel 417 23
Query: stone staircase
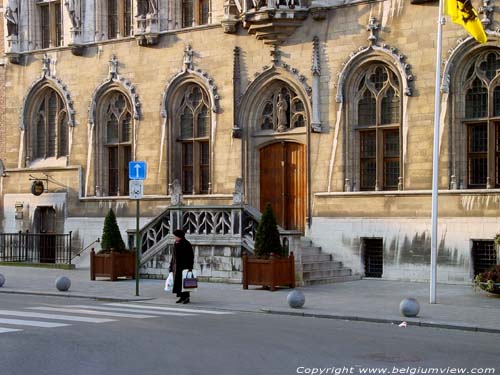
pixel 321 268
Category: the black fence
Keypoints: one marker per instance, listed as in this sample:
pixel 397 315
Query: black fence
pixel 35 247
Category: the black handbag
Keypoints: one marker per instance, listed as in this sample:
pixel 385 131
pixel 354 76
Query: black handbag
pixel 190 282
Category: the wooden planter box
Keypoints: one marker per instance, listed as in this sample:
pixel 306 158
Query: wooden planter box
pixel 270 272
pixel 112 265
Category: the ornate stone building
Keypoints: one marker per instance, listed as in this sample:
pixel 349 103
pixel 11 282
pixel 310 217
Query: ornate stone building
pixel 322 108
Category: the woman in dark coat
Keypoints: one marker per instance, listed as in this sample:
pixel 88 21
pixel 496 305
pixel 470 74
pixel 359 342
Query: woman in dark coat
pixel 182 258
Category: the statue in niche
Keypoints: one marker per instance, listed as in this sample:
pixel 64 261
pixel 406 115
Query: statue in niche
pixel 153 6
pixel 147 7
pixel 12 17
pixel 188 58
pixel 73 8
pixel 282 107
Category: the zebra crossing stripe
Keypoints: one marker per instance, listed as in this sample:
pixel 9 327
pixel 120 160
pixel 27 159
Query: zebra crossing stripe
pixel 31 323
pixel 168 313
pixel 5 330
pixel 29 314
pixel 170 309
pixel 93 312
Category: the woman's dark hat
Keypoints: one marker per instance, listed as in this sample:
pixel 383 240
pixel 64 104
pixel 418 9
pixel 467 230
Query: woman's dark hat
pixel 179 233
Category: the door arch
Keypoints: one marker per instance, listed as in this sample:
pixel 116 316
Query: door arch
pixel 283 183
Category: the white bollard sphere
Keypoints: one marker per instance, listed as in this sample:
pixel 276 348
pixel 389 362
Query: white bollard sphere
pixel 409 307
pixel 296 299
pixel 63 283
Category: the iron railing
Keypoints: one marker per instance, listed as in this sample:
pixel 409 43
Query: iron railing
pixel 35 247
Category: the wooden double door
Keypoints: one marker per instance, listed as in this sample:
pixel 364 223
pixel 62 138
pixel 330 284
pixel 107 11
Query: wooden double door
pixel 283 183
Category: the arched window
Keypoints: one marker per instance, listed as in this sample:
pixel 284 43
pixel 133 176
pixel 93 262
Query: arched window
pixel 49 126
pixel 481 122
pixel 282 110
pixel 376 122
pixel 191 136
pixel 114 144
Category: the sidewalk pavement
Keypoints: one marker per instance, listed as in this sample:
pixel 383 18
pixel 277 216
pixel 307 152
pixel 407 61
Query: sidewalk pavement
pixel 371 300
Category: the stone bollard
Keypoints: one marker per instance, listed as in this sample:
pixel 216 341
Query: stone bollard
pixel 63 283
pixel 296 299
pixel 2 280
pixel 409 307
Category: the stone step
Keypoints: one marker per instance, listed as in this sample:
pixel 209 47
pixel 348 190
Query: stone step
pixel 321 266
pixel 316 258
pixel 331 280
pixel 311 275
pixel 305 242
pixel 310 250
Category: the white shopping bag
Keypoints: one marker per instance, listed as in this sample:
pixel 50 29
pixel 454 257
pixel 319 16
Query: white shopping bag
pixel 169 283
pixel 192 283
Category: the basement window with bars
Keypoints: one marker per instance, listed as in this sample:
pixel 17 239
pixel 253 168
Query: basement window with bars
pixel 373 255
pixel 484 255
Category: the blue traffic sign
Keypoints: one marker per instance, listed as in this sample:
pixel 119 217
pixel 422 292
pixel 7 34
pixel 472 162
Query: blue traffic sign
pixel 137 170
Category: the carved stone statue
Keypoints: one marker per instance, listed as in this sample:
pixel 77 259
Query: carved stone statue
pixel 153 6
pixel 73 7
pixel 188 58
pixel 282 108
pixel 12 16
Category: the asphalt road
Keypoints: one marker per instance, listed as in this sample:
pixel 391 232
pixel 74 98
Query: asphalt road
pixel 218 344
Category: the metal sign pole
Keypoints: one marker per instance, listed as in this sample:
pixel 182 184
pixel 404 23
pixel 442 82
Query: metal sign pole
pixel 137 249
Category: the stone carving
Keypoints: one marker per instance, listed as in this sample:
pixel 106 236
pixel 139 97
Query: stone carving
pixel 188 58
pixel 236 89
pixel 113 67
pixel 282 117
pixel 238 196
pixel 391 52
pixel 73 7
pixel 186 72
pixel 175 193
pixel 373 26
pixel 114 77
pixel 12 16
pixel 231 16
pixel 487 11
pixel 56 83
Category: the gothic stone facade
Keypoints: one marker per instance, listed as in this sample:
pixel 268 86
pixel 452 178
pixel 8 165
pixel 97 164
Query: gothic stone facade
pixel 324 109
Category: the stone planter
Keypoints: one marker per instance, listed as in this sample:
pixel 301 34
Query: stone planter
pixel 112 265
pixel 271 272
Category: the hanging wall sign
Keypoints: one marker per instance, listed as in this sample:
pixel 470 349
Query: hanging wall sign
pixel 37 187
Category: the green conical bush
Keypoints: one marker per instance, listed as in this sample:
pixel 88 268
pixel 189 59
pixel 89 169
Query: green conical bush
pixel 111 237
pixel 267 238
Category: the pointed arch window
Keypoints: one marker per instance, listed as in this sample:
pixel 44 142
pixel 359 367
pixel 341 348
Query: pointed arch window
pixel 482 120
pixel 115 143
pixel 192 135
pixel 282 110
pixel 377 116
pixel 49 135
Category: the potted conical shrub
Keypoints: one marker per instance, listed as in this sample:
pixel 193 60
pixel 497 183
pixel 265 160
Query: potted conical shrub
pixel 269 267
pixel 114 260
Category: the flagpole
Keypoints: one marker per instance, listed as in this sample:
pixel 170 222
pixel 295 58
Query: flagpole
pixel 435 156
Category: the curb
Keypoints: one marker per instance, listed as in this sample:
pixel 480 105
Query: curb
pixel 70 295
pixel 459 327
